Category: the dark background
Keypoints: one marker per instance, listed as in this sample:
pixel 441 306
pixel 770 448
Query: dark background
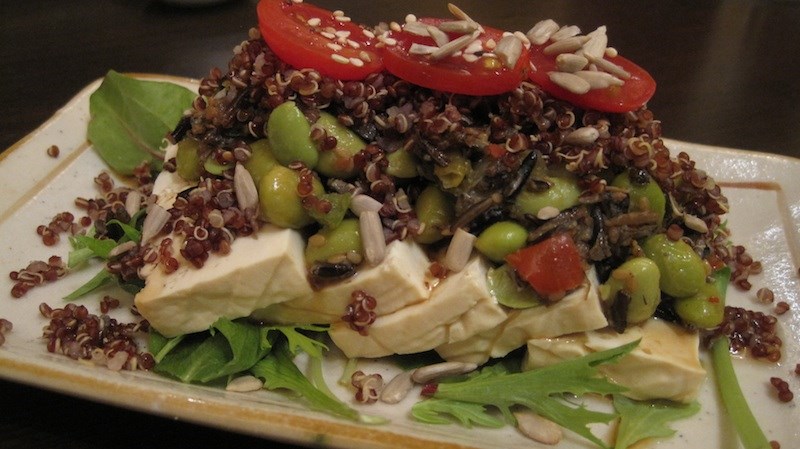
pixel 727 74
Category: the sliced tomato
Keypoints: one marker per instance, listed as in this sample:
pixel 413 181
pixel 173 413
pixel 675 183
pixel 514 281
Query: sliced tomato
pixel 552 267
pixel 636 91
pixel 485 75
pixel 306 36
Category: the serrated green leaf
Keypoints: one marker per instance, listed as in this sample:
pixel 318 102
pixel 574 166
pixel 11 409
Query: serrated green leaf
pixel 648 419
pixel 445 411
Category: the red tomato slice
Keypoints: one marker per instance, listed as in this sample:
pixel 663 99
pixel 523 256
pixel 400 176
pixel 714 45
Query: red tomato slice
pixel 552 267
pixel 484 76
pixel 306 36
pixel 639 88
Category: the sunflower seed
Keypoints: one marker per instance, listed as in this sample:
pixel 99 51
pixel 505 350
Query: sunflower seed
pixel 426 374
pixel 245 384
pixel 439 36
pixel 582 136
pixel 454 46
pixel 122 248
pixel 570 62
pixel 154 222
pixel 421 49
pixel 695 223
pixel 459 250
pixel 508 50
pixel 547 212
pixel 595 47
pixel 133 202
pixel 567 45
pixel 565 32
pixel 570 82
pixel 541 31
pixel 599 80
pixel 372 238
pixel 361 203
pixel 398 388
pixel 538 428
pixel 458 26
pixel 416 28
pixel 245 188
pixel 608 66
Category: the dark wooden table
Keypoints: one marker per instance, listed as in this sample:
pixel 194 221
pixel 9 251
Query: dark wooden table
pixel 727 75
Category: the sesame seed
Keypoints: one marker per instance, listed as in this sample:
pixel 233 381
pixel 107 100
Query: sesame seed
pixel 314 21
pixel 328 35
pixel 342 34
pixel 390 41
pixel 297 1
pixel 365 56
pixel 357 62
pixel 333 46
pixel 490 44
pixel 353 44
pixel 338 13
pixel 343 19
pixel 394 26
pixel 611 52
pixel 368 33
pixel 523 38
pixel 411 18
pixel 340 59
pixel 470 57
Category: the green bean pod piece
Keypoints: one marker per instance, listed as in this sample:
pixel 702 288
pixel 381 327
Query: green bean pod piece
pixel 280 202
pixel 436 212
pixel 338 162
pixel 454 172
pixel 402 164
pixel 501 239
pixel 332 243
pixel 683 272
pixel 639 279
pixel 289 134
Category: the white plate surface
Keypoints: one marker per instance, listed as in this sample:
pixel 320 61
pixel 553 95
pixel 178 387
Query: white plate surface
pixel 764 193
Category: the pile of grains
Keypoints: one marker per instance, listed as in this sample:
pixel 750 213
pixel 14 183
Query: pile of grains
pixel 75 332
pixel 755 333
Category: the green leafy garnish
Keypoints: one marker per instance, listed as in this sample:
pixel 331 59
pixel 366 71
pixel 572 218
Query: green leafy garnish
pixel 445 411
pixel 101 279
pixel 130 118
pixel 542 390
pixel 648 419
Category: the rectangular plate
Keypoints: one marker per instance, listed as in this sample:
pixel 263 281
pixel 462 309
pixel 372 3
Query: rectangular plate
pixel 764 195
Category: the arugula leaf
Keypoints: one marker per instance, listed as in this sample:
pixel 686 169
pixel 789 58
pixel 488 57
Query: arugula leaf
pixel 99 247
pixel 648 419
pixel 228 348
pixel 299 342
pixel 129 233
pixel 431 411
pixel 100 279
pixel 278 371
pixel 130 118
pixel 542 390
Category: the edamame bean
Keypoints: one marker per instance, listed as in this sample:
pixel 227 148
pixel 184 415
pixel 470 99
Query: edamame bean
pixel 639 279
pixel 705 309
pixel 500 239
pixel 642 197
pixel 329 243
pixel 402 164
pixel 505 288
pixel 338 162
pixel 280 203
pixel 683 272
pixel 261 159
pixel 435 212
pixel 562 194
pixel 187 159
pixel 454 172
pixel 289 134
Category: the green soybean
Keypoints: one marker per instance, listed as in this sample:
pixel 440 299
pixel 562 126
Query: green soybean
pixel 402 164
pixel 338 162
pixel 642 197
pixel 289 134
pixel 639 279
pixel 501 239
pixel 280 203
pixel 261 159
pixel 187 159
pixel 562 194
pixel 706 309
pixel 435 211
pixel 329 243
pixel 683 272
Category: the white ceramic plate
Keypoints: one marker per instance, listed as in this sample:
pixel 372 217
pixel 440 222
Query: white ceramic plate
pixel 764 193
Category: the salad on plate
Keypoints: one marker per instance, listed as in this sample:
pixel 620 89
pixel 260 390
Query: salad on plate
pixel 495 214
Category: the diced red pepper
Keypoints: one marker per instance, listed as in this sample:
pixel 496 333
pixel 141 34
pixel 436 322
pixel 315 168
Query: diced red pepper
pixel 552 267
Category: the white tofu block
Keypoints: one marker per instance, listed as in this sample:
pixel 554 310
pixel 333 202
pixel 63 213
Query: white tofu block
pixel 399 280
pixel 577 312
pixel 665 364
pixel 459 306
pixel 260 270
